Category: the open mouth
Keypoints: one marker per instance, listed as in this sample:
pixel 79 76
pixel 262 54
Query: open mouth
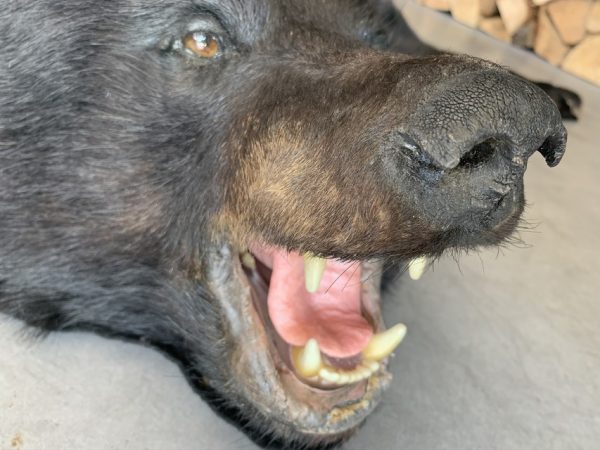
pixel 311 336
pixel 322 314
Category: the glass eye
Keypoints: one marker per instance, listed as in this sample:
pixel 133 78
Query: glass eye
pixel 203 44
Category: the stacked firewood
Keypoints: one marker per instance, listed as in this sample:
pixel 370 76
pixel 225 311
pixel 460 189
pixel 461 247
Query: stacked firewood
pixel 565 33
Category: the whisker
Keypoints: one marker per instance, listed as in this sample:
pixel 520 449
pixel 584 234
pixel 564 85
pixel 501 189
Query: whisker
pixel 356 268
pixel 339 276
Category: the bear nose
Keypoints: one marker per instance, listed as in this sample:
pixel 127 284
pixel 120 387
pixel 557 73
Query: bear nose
pixel 462 152
pixel 484 118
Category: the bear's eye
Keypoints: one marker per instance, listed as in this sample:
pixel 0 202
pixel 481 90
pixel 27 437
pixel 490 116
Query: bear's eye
pixel 203 44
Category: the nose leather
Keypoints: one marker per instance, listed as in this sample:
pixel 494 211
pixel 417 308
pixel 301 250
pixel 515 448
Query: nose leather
pixel 473 108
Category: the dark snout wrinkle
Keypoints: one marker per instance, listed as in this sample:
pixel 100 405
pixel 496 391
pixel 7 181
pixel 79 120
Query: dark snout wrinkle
pixel 473 108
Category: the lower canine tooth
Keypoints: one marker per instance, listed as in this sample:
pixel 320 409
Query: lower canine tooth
pixel 417 267
pixel 314 268
pixel 383 344
pixel 308 359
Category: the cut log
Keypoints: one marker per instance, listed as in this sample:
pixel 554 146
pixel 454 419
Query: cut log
pixel 584 59
pixel 440 5
pixel 548 43
pixel 593 22
pixel 470 12
pixel 569 18
pixel 487 8
pixel 465 11
pixel 514 13
pixel 495 27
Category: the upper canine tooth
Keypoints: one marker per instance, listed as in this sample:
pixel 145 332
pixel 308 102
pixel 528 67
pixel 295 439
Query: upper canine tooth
pixel 248 261
pixel 383 344
pixel 314 267
pixel 416 267
pixel 308 359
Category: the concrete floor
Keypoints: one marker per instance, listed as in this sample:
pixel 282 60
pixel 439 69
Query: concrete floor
pixel 503 349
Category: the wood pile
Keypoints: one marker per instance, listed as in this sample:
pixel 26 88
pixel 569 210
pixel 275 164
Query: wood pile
pixel 565 33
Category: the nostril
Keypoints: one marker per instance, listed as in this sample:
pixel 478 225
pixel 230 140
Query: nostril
pixel 552 149
pixel 481 154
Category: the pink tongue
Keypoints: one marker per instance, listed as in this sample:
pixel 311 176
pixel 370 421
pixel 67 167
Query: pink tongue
pixel 332 315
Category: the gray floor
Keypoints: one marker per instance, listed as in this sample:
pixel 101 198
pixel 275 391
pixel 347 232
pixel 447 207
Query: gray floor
pixel 503 349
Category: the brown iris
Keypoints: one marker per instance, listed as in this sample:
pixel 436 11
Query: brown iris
pixel 203 44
